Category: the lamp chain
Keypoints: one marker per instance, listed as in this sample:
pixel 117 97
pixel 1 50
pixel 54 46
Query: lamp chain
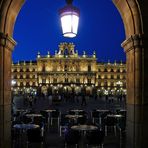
pixel 69 1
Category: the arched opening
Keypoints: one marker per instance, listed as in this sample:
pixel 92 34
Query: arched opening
pixel 49 39
pixel 136 92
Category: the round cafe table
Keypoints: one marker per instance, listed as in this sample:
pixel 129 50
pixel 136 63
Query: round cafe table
pixel 77 110
pixel 84 127
pixel 73 116
pixel 49 111
pixel 102 110
pixel 115 115
pixel 25 126
pixel 33 115
pixel 21 110
pixel 21 131
pixel 123 110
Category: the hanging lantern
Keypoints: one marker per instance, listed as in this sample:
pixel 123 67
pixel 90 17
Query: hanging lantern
pixel 69 16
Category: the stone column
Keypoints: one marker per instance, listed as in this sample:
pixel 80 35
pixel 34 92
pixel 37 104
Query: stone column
pixel 6 46
pixel 137 91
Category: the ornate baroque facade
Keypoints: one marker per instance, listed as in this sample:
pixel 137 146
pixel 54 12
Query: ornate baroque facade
pixel 68 71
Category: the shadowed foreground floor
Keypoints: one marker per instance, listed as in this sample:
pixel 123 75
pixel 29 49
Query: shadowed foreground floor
pixel 52 138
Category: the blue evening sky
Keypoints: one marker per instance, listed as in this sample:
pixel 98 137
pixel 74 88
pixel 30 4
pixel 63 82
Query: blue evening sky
pixel 38 28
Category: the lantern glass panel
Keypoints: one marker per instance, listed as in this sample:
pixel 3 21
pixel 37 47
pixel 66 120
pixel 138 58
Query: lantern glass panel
pixel 69 25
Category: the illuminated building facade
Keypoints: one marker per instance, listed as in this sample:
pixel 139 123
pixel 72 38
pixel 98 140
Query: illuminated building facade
pixel 67 71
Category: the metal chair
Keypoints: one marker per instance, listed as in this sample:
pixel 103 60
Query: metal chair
pixel 55 115
pixel 82 120
pixel 45 115
pixel 39 121
pixel 64 124
pixel 26 120
pixel 95 138
pixel 71 112
pixel 110 122
pixel 72 138
pixel 34 136
pixel 95 116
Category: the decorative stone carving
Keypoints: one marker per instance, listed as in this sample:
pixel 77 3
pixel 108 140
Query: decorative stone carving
pixel 7 41
pixel 135 41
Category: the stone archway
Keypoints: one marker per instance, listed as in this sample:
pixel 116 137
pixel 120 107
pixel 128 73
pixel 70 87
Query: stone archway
pixel 134 14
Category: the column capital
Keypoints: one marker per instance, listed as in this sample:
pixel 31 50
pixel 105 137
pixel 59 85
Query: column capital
pixel 7 41
pixel 135 41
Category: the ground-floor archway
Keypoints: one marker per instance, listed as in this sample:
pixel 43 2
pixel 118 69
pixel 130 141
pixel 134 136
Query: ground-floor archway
pixel 134 14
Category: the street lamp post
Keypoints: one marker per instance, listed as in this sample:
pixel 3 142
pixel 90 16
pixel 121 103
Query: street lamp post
pixel 69 16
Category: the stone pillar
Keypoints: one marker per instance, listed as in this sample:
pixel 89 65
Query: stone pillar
pixel 137 91
pixel 6 46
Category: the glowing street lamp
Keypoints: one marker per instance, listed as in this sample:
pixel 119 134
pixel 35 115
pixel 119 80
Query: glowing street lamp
pixel 69 16
pixel 13 82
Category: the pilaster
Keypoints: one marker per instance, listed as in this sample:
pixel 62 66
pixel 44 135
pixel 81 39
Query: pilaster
pixel 6 46
pixel 137 106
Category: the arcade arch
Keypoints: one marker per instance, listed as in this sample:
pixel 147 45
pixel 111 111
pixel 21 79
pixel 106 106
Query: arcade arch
pixel 134 14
